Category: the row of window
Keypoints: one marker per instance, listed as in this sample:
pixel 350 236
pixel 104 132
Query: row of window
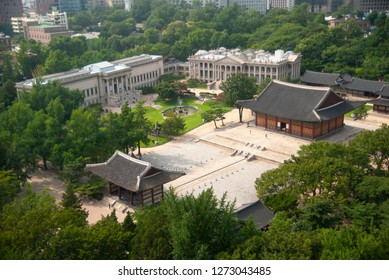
pixel 145 77
pixel 246 68
pixel 90 92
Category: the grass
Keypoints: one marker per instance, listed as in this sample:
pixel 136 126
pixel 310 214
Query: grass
pixel 191 121
pixel 367 107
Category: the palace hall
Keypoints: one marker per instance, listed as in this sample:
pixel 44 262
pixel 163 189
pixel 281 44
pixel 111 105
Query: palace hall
pixel 305 111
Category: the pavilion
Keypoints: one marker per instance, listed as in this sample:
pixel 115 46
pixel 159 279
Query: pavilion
pixel 305 111
pixel 139 179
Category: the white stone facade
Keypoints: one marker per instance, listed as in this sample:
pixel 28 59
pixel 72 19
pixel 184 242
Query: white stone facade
pixel 108 83
pixel 216 66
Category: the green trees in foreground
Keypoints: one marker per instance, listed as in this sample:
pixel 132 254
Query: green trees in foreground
pixel 335 194
pixel 353 225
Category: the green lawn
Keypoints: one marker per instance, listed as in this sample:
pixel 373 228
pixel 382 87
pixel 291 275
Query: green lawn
pixel 191 121
pixel 368 108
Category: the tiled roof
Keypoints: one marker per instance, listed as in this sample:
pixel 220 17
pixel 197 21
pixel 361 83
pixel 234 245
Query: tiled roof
pixel 384 91
pixel 319 78
pixel 131 173
pixel 299 102
pixel 260 214
pixel 380 101
pixel 365 85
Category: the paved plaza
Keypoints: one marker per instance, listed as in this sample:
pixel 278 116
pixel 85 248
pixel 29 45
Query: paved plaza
pixel 228 159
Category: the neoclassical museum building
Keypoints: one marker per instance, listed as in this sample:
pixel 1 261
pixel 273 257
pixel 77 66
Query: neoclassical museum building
pixel 216 66
pixel 305 111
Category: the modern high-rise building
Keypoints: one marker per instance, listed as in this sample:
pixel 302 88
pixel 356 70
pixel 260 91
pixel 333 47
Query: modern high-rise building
pixel 53 18
pixel 371 5
pixel 112 3
pixel 128 4
pixel 10 8
pixel 70 6
pixel 286 4
pixel 42 7
pixel 219 3
pixel 97 3
pixel 257 5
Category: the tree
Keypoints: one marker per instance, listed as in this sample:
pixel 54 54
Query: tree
pixel 19 156
pixel 152 239
pixel 9 187
pixel 238 87
pixel 215 113
pixel 349 244
pixel 141 9
pixel 69 199
pixel 142 126
pixel 281 241
pixel 166 90
pixel 173 126
pixel 27 225
pixel 152 35
pixel 118 130
pixel 37 133
pixel 107 240
pixel 7 94
pixel 374 144
pixel 174 32
pixel 41 95
pixel 71 47
pixel 56 62
pixel 182 49
pixel 29 56
pixel 320 169
pixel 200 227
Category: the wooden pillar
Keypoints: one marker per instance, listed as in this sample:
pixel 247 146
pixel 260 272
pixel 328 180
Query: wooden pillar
pixel 161 192
pixel 141 198
pixel 302 129
pixel 110 187
pixel 240 113
pixel 131 198
pixel 120 192
pixel 266 121
pixel 290 126
pixel 152 196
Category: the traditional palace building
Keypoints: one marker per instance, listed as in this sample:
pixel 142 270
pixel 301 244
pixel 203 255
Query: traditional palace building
pixel 216 66
pixel 109 83
pixel 305 111
pixel 374 92
pixel 139 181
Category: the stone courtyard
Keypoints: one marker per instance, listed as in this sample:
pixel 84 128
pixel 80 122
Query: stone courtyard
pixel 228 159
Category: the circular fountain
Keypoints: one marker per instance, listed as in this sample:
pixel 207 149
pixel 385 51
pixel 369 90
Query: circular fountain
pixel 180 110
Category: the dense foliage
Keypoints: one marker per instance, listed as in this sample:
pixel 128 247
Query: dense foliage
pixel 330 200
pixel 336 196
pixel 180 30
